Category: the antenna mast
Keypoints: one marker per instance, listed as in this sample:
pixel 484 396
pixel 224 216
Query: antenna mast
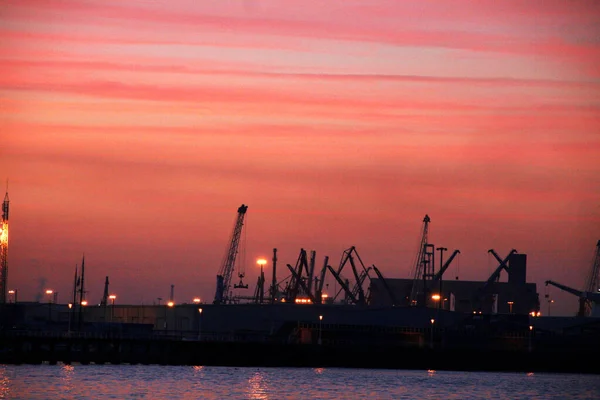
pixel 4 248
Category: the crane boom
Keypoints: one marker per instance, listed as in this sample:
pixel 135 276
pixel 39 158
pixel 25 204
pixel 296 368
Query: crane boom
pixel 567 289
pixel 228 265
pixel 440 273
pixel 496 274
pixel 587 299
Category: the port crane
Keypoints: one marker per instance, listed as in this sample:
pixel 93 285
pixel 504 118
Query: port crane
pixel 298 285
pixel 222 293
pixel 482 294
pixel 423 268
pixel 589 299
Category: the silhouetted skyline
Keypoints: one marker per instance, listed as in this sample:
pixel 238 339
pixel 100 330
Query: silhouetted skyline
pixel 131 132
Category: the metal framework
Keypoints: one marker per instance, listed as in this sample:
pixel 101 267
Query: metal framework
pixel 222 293
pixel 423 268
pixel 592 284
pixel 4 250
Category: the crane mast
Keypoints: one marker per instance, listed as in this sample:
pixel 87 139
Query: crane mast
pixel 592 284
pixel 4 249
pixel 228 265
pixel 424 263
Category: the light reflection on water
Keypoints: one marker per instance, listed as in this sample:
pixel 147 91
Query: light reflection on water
pixel 171 382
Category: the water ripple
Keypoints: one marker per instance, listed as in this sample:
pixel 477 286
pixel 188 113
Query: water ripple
pixel 182 382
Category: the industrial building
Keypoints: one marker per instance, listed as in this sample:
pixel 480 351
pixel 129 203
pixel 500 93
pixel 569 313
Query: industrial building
pixel 515 296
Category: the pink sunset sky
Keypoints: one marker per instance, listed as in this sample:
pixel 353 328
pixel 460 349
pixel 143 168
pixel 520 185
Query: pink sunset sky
pixel 131 131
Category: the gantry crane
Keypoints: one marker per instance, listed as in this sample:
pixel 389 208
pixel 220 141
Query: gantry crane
pixel 4 249
pixel 222 293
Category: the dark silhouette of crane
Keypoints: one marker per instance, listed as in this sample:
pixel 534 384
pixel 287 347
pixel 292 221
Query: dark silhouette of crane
pixel 589 298
pixel 592 284
pixel 423 268
pixel 222 293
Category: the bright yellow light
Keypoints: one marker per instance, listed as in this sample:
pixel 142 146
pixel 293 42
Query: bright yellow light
pixel 303 301
pixel 324 296
pixel 436 297
pixel 320 318
pixel 84 303
pixel 4 233
pixel 11 292
pixel 530 327
pixel 49 291
pixel 432 321
pixel 170 304
pixel 112 296
pixel 261 261
pixel 196 300
pixel 200 310
pixel 70 305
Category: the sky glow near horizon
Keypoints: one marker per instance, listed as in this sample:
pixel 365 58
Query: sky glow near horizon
pixel 132 131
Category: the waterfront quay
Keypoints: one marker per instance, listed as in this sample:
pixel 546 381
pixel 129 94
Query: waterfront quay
pixel 511 354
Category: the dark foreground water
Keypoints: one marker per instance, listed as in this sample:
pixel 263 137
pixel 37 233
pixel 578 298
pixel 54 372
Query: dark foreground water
pixel 169 382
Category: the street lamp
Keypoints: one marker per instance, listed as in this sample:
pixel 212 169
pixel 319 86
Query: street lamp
pixel 510 305
pixel 262 262
pixel 49 293
pixel 529 338
pixel 112 298
pixel 441 250
pixel 550 301
pixel 320 324
pixel 431 338
pixel 14 293
pixel 199 324
pixel 196 300
pixel 70 307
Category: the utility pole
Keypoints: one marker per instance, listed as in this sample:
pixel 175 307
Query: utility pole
pixel 441 250
pixel 81 292
pixel 274 279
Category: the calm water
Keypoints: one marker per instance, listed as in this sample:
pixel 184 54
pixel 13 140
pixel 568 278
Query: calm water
pixel 168 382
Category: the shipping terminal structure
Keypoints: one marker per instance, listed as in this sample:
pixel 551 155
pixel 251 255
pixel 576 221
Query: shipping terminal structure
pixel 351 303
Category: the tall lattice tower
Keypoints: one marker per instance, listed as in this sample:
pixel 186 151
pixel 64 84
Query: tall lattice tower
pixel 4 249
